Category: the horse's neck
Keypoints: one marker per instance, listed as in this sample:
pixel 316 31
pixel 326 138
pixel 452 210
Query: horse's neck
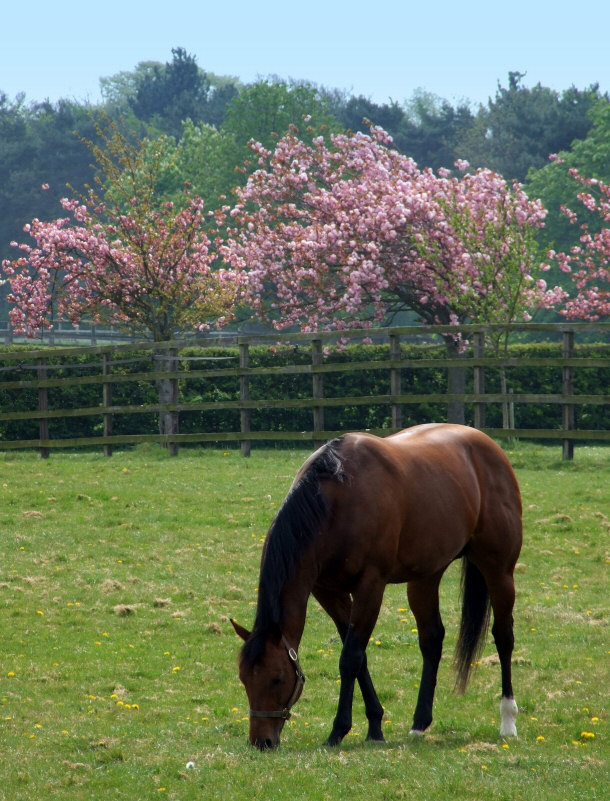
pixel 291 605
pixel 293 623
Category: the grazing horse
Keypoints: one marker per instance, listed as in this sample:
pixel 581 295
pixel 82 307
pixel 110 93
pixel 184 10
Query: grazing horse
pixel 364 512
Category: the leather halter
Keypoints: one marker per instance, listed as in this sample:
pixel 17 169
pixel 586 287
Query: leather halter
pixel 296 693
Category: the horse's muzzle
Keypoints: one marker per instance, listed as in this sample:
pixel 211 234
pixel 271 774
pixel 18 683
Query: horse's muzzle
pixel 266 744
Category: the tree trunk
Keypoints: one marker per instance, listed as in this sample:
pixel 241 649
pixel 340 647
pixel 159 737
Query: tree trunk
pixel 456 384
pixel 168 393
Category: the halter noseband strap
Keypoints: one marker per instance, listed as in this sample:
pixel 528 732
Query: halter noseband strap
pixel 296 693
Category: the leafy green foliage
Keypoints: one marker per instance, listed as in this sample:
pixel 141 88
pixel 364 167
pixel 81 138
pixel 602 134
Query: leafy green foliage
pixel 554 185
pixel 265 110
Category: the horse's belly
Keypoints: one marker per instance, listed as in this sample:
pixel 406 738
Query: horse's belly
pixel 425 549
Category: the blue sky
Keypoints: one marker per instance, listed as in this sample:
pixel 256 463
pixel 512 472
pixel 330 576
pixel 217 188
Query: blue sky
pixel 388 49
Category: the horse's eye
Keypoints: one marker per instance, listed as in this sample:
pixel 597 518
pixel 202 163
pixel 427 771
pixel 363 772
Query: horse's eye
pixel 276 681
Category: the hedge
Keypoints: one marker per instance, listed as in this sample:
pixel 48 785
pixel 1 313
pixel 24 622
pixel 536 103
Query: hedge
pixel 429 380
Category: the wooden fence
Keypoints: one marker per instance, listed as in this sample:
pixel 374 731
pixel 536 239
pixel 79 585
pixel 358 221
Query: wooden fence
pixel 66 333
pixel 171 361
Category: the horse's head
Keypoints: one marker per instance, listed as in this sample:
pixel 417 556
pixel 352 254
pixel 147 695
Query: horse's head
pixel 273 679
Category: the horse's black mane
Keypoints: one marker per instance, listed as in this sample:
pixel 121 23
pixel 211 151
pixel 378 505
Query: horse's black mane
pixel 297 522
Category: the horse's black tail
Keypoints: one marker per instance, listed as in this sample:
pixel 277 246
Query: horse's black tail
pixel 476 612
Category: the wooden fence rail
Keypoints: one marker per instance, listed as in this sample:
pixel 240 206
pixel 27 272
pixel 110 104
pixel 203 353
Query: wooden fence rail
pixel 167 358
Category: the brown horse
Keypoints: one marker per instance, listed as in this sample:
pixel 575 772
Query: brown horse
pixel 364 512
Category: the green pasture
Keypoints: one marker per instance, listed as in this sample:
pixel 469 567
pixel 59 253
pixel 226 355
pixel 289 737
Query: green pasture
pixel 118 663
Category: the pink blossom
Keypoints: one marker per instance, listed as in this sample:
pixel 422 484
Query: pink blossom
pixel 329 235
pixel 156 273
pixel 587 264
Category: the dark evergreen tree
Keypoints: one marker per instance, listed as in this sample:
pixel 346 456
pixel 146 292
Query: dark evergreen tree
pixel 169 94
pixel 521 127
pixel 432 133
pixel 38 146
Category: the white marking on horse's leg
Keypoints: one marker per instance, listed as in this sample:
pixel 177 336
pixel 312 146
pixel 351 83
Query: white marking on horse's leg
pixel 416 733
pixel 508 712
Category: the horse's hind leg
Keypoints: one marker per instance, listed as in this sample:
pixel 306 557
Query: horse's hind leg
pixel 502 596
pixel 424 603
pixel 338 605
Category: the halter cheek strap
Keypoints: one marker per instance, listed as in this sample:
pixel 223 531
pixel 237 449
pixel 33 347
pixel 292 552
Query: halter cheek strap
pixel 284 713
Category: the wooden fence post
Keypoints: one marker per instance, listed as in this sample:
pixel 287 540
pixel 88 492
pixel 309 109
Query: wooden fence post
pixel 106 402
pixel 43 406
pixel 567 388
pixel 172 365
pixel 317 385
pixel 395 381
pixel 479 380
pixel 244 395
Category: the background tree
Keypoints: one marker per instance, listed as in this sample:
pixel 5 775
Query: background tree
pixel 556 187
pixel 587 264
pixel 332 236
pixel 38 145
pixel 166 95
pixel 264 111
pixel 432 130
pixel 426 127
pixel 207 159
pixel 352 111
pixel 521 127
pixel 122 256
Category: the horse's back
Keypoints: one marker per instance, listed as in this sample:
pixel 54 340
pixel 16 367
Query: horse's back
pixel 424 495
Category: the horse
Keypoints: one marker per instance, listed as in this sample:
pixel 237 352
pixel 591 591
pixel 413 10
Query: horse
pixel 363 512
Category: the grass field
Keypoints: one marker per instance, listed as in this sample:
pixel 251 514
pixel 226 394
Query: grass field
pixel 118 663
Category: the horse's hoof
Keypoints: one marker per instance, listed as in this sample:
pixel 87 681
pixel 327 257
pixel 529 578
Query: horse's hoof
pixel 508 713
pixel 417 732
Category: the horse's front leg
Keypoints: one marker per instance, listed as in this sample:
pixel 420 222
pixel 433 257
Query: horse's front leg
pixel 352 663
pixel 338 605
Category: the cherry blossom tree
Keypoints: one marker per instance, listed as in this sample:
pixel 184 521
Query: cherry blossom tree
pixel 151 276
pixel 588 263
pixel 343 235
pixel 123 256
pixel 332 236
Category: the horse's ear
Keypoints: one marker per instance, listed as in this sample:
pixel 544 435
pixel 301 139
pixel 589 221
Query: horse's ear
pixel 240 630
